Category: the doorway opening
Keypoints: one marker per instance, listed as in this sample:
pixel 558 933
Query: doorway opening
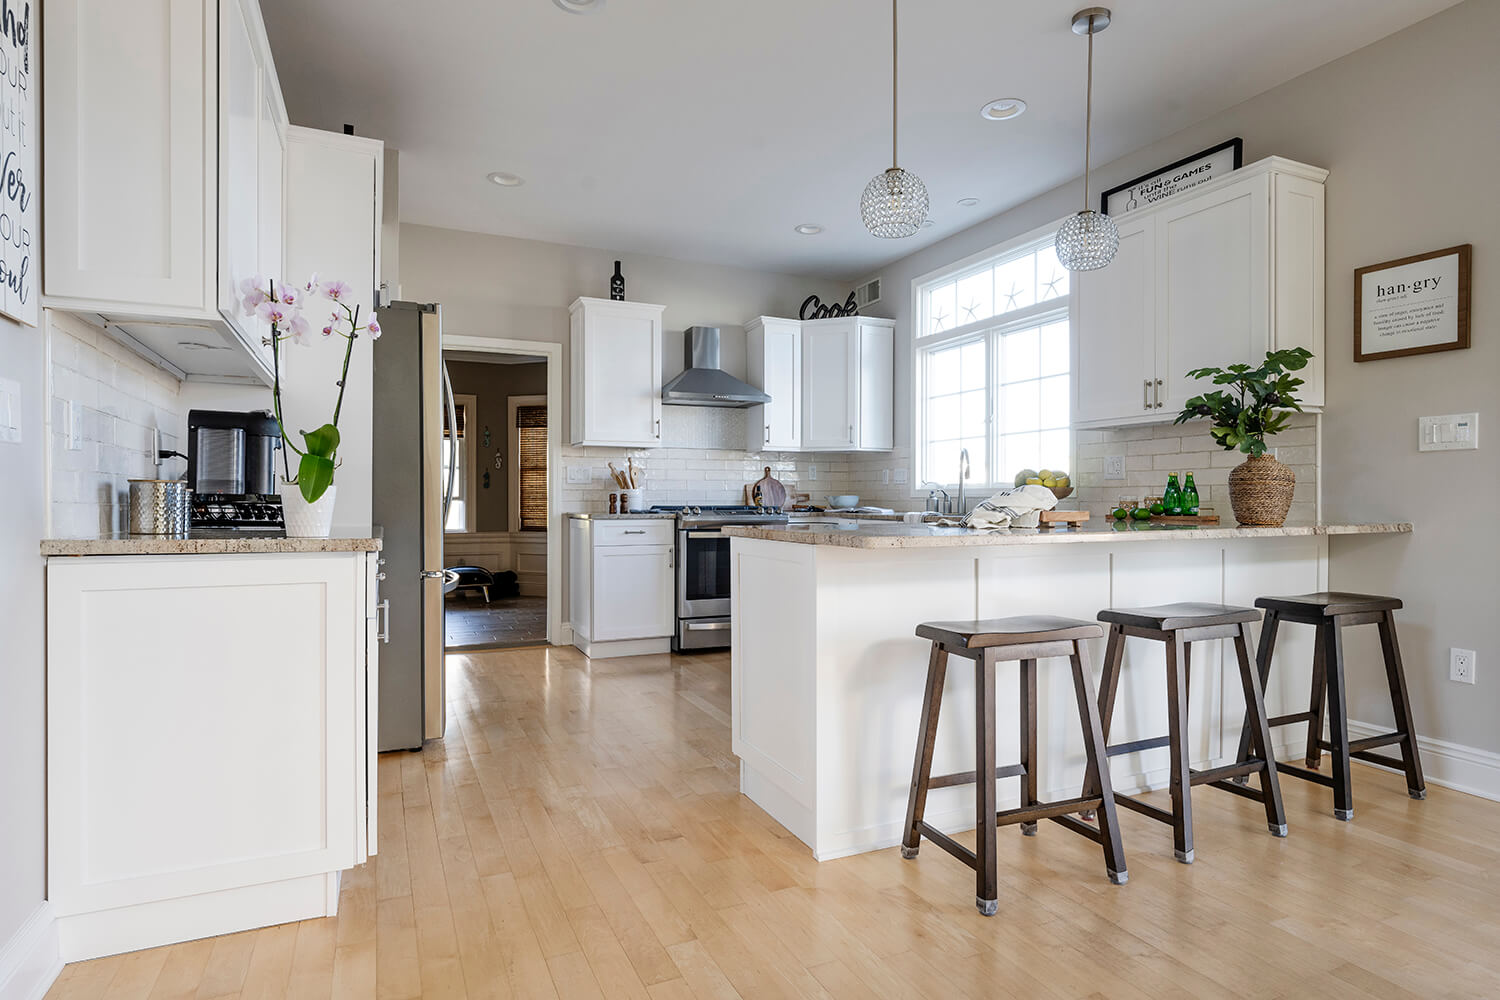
pixel 499 543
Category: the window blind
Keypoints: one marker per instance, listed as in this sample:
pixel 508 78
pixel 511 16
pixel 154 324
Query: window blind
pixel 531 466
pixel 459 415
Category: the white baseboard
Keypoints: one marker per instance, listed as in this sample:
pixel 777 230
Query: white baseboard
pixel 31 960
pixel 1451 765
pixel 620 647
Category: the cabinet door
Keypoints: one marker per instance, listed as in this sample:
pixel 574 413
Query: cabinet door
pixel 1298 279
pixel 621 376
pixel 272 165
pixel 830 384
pixel 1114 332
pixel 1212 286
pixel 632 592
pixel 239 165
pixel 875 421
pixel 128 129
pixel 776 366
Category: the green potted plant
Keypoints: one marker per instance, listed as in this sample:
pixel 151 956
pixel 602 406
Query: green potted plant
pixel 308 495
pixel 1254 404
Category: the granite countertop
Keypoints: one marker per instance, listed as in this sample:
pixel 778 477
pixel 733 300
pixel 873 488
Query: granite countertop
pixel 642 516
pixel 854 535
pixel 162 545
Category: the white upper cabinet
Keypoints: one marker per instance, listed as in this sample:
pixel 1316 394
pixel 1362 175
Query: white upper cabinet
pixel 616 373
pixel 848 384
pixel 774 355
pixel 1209 278
pixel 165 145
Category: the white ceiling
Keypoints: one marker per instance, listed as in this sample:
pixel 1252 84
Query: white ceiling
pixel 707 129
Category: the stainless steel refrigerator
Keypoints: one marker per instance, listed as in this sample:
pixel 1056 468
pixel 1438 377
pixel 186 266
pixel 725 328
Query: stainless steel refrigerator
pixel 410 506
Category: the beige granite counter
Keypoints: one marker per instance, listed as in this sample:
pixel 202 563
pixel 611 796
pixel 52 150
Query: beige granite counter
pixel 640 516
pixel 876 535
pixel 162 545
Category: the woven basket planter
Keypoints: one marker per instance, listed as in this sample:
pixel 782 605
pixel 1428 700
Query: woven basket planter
pixel 1260 491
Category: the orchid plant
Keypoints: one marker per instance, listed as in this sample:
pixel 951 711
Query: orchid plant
pixel 284 307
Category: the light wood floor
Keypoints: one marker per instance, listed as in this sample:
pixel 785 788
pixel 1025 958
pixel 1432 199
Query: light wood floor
pixel 579 834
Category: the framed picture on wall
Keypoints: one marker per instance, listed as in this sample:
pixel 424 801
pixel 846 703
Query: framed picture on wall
pixel 19 183
pixel 1414 305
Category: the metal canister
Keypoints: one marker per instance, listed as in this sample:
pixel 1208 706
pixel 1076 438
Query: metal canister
pixel 158 507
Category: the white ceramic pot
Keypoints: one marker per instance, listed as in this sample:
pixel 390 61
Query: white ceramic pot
pixel 307 520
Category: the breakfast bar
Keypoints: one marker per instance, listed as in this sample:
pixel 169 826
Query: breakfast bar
pixel 828 674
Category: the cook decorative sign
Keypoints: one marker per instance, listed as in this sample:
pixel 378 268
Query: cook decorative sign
pixel 1415 305
pixel 1200 168
pixel 18 164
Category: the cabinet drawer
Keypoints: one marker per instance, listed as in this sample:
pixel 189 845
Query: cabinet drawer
pixel 643 532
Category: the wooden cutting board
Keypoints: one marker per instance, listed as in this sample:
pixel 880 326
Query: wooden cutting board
pixel 1184 519
pixel 768 491
pixel 1053 518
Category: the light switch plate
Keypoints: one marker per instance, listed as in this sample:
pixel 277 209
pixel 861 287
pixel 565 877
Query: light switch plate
pixel 1114 466
pixel 10 411
pixel 1451 432
pixel 580 475
pixel 812 473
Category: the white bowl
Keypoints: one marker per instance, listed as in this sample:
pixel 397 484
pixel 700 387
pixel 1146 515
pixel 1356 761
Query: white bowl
pixel 843 500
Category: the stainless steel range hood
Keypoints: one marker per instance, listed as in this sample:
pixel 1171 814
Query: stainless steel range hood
pixel 704 383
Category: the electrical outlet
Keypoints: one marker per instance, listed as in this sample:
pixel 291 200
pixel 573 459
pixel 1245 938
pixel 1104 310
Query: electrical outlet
pixel 580 475
pixel 1114 466
pixel 812 473
pixel 73 426
pixel 1453 432
pixel 1461 665
pixel 900 477
pixel 885 477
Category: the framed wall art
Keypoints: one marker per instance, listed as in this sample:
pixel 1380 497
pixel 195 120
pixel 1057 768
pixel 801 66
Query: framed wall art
pixel 1414 305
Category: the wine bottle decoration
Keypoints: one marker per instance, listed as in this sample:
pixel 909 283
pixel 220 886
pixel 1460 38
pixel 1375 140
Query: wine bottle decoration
pixel 617 285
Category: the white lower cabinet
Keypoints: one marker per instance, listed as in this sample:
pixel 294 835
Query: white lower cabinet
pixel 621 585
pixel 210 763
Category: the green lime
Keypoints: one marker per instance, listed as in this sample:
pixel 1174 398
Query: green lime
pixel 1158 509
pixel 1121 513
pixel 1141 514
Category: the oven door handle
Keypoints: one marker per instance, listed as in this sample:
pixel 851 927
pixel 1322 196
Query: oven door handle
pixel 706 626
pixel 703 533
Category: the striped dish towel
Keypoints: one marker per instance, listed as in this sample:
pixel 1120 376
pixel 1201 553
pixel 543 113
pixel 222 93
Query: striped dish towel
pixel 1018 507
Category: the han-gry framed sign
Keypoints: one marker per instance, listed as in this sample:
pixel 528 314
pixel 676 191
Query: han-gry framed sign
pixel 1174 178
pixel 19 130
pixel 1415 305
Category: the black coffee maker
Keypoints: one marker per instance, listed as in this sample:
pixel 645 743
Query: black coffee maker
pixel 232 453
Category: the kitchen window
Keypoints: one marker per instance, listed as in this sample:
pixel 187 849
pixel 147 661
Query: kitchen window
pixel 528 447
pixel 991 364
pixel 459 447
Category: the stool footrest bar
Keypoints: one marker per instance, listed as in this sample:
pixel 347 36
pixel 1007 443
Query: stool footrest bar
pixel 1252 766
pixel 968 777
pixel 1138 745
pixel 948 844
pixel 1381 759
pixel 1287 720
pixel 1306 774
pixel 1368 743
pixel 1046 810
pixel 1079 826
pixel 1144 808
pixel 1246 790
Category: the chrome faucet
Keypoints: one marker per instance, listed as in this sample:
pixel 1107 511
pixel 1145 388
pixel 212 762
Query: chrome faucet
pixel 963 474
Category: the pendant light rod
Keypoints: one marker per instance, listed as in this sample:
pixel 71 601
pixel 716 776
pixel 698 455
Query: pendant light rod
pixel 1089 21
pixel 894 91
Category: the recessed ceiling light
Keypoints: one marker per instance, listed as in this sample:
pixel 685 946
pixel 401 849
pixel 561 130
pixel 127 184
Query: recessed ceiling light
pixel 809 229
pixel 505 180
pixel 968 202
pixel 580 6
pixel 1005 107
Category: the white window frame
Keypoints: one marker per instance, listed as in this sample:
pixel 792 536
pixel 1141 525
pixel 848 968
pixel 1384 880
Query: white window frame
pixel 995 327
pixel 466 483
pixel 512 404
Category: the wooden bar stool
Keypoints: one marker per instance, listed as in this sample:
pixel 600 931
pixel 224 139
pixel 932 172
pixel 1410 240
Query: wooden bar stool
pixel 1178 626
pixel 1026 639
pixel 1331 613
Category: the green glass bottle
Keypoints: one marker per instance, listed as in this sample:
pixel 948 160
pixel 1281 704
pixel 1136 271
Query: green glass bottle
pixel 1190 496
pixel 1171 498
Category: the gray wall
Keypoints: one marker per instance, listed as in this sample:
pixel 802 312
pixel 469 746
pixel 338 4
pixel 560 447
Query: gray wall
pixel 1407 128
pixel 22 668
pixel 492 385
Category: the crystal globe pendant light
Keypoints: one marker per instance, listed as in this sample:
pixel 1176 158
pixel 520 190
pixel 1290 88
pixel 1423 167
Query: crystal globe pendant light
pixel 895 201
pixel 1088 240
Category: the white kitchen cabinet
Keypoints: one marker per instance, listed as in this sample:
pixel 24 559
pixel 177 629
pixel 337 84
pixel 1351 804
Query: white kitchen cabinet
pixel 848 384
pixel 1208 278
pixel 621 585
pixel 616 368
pixel 774 354
pixel 164 126
pixel 210 727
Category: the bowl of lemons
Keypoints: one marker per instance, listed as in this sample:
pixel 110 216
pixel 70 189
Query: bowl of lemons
pixel 1055 480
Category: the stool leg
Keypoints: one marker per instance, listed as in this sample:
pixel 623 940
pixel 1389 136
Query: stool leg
pixel 1396 675
pixel 921 770
pixel 1318 700
pixel 1093 741
pixel 1268 630
pixel 1338 720
pixel 986 863
pixel 1109 686
pixel 1181 782
pixel 1270 787
pixel 1028 741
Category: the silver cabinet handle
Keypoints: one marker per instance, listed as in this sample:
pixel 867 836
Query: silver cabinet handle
pixel 658 428
pixel 768 433
pixel 671 560
pixel 384 634
pixel 638 531
pixel 1158 394
pixel 1146 394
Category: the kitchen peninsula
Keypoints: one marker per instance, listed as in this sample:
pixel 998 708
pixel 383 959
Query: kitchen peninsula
pixel 828 675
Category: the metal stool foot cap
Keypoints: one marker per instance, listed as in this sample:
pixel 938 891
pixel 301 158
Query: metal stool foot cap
pixel 1277 829
pixel 987 906
pixel 1344 814
pixel 908 852
pixel 1186 857
pixel 1028 829
pixel 1417 793
pixel 1118 878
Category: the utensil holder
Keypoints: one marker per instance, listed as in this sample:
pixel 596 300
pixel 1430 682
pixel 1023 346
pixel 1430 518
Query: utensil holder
pixel 158 507
pixel 632 501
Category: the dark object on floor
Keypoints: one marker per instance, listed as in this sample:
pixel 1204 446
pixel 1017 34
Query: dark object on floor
pixel 506 584
pixel 474 578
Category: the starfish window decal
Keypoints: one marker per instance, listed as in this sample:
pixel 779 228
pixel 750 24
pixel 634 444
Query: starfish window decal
pixel 972 309
pixel 1051 285
pixel 939 320
pixel 1011 296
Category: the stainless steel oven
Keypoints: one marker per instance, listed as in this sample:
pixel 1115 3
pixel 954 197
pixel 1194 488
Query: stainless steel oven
pixel 703 620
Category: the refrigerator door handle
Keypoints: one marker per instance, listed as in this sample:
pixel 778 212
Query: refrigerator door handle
pixel 453 430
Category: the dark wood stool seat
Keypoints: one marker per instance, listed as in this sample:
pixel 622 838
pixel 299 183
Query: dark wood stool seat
pixel 1330 614
pixel 1178 626
pixel 1025 639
